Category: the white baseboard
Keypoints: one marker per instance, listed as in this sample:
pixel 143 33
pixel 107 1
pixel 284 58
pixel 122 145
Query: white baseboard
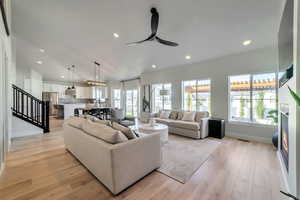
pixel 249 137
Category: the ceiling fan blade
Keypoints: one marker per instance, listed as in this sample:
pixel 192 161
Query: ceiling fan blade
pixel 151 37
pixel 165 42
pixel 154 20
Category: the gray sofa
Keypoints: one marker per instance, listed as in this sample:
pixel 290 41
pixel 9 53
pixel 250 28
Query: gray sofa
pixel 198 128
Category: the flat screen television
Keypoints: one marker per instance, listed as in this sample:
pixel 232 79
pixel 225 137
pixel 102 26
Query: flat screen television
pixel 285 43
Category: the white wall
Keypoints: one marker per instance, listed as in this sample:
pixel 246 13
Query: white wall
pixel 36 83
pixel 7 77
pixel 297 110
pixel 29 80
pixel 21 128
pixel 293 175
pixel 32 82
pixel 218 70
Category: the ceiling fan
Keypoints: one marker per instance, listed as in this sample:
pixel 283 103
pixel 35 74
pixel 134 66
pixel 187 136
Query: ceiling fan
pixel 153 36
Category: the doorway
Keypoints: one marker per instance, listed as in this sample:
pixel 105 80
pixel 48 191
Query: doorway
pixel 131 100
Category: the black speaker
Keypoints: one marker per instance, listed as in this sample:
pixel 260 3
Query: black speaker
pixel 216 128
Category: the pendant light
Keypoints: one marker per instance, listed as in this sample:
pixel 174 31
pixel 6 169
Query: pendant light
pixel 73 81
pixel 69 76
pixel 97 81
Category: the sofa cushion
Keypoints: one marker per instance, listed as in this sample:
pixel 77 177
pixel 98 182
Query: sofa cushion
pixel 157 114
pixel 90 117
pixel 126 131
pixel 103 132
pixel 95 119
pixel 188 116
pixel 200 115
pixel 162 121
pixel 185 125
pixel 180 115
pixel 105 122
pixel 76 122
pixel 173 115
pixel 164 115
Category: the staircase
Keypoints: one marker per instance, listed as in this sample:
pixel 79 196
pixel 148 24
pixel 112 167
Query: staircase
pixel 30 108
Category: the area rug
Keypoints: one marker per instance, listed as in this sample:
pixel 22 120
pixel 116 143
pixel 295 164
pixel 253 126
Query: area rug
pixel 181 157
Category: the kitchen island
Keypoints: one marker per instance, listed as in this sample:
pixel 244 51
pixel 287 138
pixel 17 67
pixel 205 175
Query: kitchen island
pixel 69 109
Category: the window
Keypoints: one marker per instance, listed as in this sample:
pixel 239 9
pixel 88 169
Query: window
pixel 196 95
pixel 252 97
pixel 161 98
pixel 131 103
pixel 116 98
pixel 97 93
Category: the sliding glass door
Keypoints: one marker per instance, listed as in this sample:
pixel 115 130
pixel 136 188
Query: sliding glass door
pixel 131 103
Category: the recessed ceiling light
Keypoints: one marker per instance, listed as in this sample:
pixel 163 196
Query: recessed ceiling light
pixel 247 42
pixel 62 76
pixel 116 35
pixel 39 62
pixel 42 50
pixel 187 57
pixel 154 66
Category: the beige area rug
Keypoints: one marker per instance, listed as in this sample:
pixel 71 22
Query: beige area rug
pixel 181 157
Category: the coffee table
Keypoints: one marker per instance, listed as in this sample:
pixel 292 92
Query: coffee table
pixel 156 128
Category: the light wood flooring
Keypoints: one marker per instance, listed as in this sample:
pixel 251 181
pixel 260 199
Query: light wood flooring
pixel 39 167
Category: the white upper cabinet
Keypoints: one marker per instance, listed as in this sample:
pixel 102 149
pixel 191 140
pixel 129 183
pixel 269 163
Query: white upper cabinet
pixel 60 89
pixel 81 92
pixel 84 92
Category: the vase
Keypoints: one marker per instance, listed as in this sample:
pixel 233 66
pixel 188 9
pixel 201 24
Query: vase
pixel 275 139
pixel 152 122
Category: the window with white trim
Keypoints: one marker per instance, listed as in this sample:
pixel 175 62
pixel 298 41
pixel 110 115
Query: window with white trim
pixel 116 98
pixel 196 95
pixel 131 98
pixel 161 97
pixel 252 97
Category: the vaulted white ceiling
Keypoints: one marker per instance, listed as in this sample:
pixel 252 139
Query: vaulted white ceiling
pixel 81 31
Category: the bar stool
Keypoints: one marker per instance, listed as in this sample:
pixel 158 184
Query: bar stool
pixel 76 112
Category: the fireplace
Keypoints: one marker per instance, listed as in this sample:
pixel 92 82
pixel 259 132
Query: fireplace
pixel 284 139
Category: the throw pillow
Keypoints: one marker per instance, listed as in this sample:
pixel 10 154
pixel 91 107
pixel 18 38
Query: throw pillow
pixel 200 115
pixel 189 116
pixel 104 132
pixel 126 131
pixel 173 115
pixel 164 115
pixel 179 115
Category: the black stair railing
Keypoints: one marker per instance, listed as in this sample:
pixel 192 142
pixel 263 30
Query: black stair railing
pixel 30 109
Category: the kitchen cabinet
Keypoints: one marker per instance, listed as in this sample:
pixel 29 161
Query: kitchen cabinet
pixel 84 92
pixel 60 89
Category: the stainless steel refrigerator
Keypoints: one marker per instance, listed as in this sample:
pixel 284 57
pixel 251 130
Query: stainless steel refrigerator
pixel 52 97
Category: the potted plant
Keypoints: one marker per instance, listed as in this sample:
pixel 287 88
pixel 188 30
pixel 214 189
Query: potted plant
pixel 295 96
pixel 273 114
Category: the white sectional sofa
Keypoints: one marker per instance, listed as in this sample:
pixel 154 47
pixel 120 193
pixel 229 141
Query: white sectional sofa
pixel 197 127
pixel 117 166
